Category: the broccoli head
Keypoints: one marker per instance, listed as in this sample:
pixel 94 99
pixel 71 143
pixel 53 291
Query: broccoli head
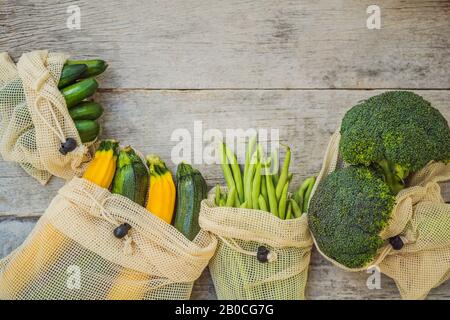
pixel 349 209
pixel 398 132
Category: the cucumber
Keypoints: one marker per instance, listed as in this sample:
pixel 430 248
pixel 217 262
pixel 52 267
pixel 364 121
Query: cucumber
pixel 87 129
pixel 191 190
pixel 77 92
pixel 87 110
pixel 70 74
pixel 94 67
pixel 132 178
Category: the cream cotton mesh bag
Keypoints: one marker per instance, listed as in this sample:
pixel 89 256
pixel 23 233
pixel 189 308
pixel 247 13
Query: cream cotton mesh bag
pixel 422 220
pixel 73 254
pixel 235 269
pixel 34 120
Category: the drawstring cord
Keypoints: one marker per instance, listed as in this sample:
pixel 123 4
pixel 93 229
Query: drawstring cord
pixel 127 240
pixel 271 256
pixel 38 88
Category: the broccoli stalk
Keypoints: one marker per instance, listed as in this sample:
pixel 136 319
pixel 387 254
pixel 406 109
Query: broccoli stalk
pixel 394 175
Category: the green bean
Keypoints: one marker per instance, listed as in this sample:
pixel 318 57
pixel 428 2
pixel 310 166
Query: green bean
pixel 262 203
pixel 308 194
pixel 231 197
pixel 243 205
pixel 299 195
pixel 248 182
pixel 236 172
pixel 225 167
pixel 283 201
pixel 264 189
pixel 276 167
pixel 295 208
pixel 222 202
pixel 273 204
pixel 248 155
pixel 290 176
pixel 256 187
pixel 284 173
pixel 217 197
pixel 289 211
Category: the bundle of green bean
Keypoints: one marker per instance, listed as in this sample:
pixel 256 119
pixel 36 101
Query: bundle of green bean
pixel 258 187
pixel 77 83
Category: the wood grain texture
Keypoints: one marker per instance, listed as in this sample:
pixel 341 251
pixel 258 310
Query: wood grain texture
pixel 146 120
pixel 241 43
pixel 227 47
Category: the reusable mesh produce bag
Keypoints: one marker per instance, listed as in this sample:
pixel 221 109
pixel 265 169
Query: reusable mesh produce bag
pixel 422 220
pixel 73 254
pixel 235 269
pixel 34 119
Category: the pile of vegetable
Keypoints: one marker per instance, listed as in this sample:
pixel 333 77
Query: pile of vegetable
pixel 149 183
pixel 261 185
pixel 385 139
pixel 77 84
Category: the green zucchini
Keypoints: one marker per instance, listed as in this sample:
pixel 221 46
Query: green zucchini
pixel 77 92
pixel 94 67
pixel 70 74
pixel 191 190
pixel 132 178
pixel 87 110
pixel 87 129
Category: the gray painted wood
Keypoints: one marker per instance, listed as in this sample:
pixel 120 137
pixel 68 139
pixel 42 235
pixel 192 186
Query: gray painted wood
pixel 243 44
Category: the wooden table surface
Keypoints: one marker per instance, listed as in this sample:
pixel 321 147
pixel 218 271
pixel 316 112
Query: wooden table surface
pixel 296 66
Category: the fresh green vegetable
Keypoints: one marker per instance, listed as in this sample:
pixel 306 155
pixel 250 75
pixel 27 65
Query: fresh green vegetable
pixel 396 132
pixel 191 190
pixel 284 173
pixel 94 67
pixel 79 91
pixel 132 177
pixel 262 203
pixel 87 110
pixel 283 201
pixel 231 196
pixel 248 184
pixel 349 209
pixel 273 203
pixel 289 211
pixel 70 74
pixel 276 167
pixel 297 212
pixel 225 167
pixel 256 187
pixel 308 194
pixel 258 182
pixel 218 195
pixel 248 158
pixel 236 172
pixel 87 129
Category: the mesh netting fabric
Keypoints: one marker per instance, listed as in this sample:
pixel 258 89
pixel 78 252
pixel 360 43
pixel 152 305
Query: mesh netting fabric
pixel 73 254
pixel 235 269
pixel 34 119
pixel 421 218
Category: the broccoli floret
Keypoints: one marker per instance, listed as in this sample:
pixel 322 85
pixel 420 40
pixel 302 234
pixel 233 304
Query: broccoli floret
pixel 349 209
pixel 398 132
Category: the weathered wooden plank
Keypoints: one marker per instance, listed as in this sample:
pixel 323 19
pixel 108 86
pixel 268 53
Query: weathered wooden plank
pixel 243 44
pixel 146 119
pixel 325 281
